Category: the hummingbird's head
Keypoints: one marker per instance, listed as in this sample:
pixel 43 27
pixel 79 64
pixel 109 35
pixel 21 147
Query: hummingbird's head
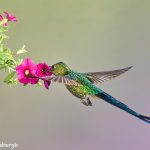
pixel 60 69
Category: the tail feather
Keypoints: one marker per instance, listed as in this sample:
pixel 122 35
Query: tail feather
pixel 108 98
pixel 144 118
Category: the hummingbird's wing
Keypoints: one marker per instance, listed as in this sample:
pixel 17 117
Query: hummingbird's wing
pixel 99 77
pixel 64 79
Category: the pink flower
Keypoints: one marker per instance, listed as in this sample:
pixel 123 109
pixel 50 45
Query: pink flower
pixel 43 70
pixel 27 72
pixel 10 17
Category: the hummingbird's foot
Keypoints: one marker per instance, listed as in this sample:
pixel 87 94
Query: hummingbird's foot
pixel 84 102
pixel 89 102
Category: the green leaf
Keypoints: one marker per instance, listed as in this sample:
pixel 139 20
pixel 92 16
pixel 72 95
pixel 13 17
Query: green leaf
pixel 19 61
pixel 7 50
pixel 9 77
pixel 3 36
pixel 3 28
pixel 1 47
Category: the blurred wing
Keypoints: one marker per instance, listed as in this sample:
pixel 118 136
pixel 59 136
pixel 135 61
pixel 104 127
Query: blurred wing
pixel 99 77
pixel 64 79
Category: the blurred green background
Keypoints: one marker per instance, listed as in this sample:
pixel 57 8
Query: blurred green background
pixel 88 35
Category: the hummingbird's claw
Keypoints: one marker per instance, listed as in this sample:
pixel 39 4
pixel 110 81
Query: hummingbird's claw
pixel 88 103
pixel 84 102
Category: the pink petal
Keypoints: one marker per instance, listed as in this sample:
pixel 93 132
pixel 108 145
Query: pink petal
pixel 41 65
pixel 21 76
pixel 1 17
pixel 27 62
pixel 20 68
pixel 47 84
pixel 31 65
pixel 23 80
pixel 33 80
pixel 5 24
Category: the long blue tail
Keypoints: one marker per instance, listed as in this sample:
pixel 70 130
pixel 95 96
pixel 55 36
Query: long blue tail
pixel 108 98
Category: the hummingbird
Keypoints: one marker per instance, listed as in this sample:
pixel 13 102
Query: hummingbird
pixel 83 86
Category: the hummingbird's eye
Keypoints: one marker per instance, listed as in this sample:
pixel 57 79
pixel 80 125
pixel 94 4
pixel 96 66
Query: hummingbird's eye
pixel 53 67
